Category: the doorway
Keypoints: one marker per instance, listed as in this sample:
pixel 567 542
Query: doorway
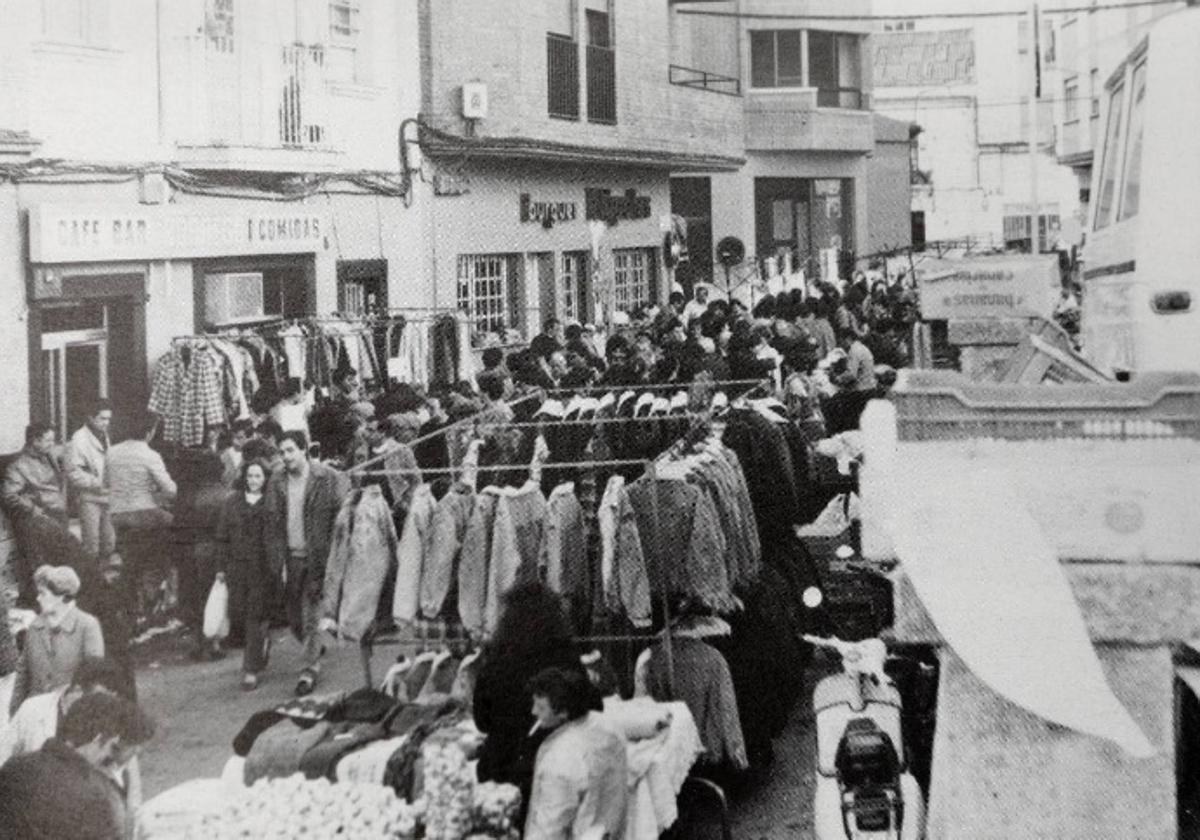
pixel 691 198
pixel 89 350
pixel 803 217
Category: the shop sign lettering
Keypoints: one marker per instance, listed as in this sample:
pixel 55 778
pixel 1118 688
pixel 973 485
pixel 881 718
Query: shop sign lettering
pixel 283 228
pixel 63 233
pixel 100 233
pixel 547 213
pixel 602 204
pixel 999 287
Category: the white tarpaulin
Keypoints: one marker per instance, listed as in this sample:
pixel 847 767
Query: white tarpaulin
pixel 991 582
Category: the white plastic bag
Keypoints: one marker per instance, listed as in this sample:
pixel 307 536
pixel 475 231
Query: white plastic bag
pixel 216 610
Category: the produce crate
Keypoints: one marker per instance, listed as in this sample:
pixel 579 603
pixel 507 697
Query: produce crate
pixel 939 405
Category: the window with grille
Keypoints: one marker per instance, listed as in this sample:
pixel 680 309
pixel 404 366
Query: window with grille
pixel 1070 100
pixel 343 21
pixel 633 276
pixel 486 284
pixel 218 25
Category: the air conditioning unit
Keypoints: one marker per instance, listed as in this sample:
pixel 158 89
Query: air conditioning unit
pixel 233 298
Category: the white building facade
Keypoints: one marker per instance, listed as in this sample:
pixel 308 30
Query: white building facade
pixel 967 83
pixel 196 163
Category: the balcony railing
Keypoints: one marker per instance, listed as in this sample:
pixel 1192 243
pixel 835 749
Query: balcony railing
pixel 850 98
pixel 303 109
pixel 704 80
pixel 601 85
pixel 562 76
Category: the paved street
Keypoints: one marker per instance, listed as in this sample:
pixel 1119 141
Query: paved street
pixel 199 707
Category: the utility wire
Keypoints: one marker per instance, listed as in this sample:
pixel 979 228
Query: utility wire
pixel 1059 10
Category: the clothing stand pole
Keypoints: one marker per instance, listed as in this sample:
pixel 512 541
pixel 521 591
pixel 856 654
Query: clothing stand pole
pixel 652 476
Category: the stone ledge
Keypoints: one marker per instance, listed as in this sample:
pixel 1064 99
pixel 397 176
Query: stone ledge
pixel 1122 603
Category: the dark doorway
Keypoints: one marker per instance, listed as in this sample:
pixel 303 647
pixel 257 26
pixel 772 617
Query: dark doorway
pixel 918 230
pixel 691 198
pixel 803 217
pixel 362 287
pixel 89 348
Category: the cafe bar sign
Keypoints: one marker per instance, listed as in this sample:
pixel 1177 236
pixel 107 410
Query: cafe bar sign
pixel 60 233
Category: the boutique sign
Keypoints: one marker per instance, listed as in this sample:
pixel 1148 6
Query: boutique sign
pixel 83 233
pixel 603 205
pixel 547 213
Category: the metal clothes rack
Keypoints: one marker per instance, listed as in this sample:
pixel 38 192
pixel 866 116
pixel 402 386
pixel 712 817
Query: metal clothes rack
pixel 658 386
pixel 370 642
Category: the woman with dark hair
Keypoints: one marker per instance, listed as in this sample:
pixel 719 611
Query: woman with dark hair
pixel 252 588
pixel 533 634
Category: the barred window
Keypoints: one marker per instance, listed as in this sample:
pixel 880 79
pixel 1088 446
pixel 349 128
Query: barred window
pixel 633 276
pixel 486 283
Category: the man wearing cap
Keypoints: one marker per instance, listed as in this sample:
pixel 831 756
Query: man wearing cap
pixel 59 638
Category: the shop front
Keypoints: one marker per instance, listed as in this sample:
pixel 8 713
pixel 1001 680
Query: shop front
pixel 516 243
pixel 110 286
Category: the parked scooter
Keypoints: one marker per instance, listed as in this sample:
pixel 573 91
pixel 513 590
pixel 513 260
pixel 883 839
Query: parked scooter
pixel 864 790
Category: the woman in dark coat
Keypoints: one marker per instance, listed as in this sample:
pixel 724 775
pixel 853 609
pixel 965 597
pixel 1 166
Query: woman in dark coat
pixel 252 586
pixel 533 633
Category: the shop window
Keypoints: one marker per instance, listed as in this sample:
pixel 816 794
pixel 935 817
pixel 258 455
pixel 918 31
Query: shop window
pixel 803 217
pixel 75 21
pixel 488 291
pixel 633 278
pixel 1131 189
pixel 1016 229
pixel 1108 165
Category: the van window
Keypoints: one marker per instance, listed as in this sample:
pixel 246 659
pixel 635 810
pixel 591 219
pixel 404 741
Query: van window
pixel 1108 167
pixel 1131 190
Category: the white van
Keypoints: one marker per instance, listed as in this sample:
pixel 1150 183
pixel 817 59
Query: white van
pixel 1141 277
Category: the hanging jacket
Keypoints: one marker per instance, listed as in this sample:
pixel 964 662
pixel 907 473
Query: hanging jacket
pixel 410 557
pixel 624 581
pixel 447 530
pixel 473 562
pixel 188 395
pixel 702 681
pixel 562 557
pixel 516 542
pixel 355 574
pixel 762 449
pixel 684 545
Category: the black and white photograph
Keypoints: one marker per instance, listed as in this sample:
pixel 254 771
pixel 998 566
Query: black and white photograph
pixel 599 420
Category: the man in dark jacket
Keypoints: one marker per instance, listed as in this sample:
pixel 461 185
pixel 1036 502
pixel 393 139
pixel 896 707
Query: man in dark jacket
pixel 67 789
pixel 302 501
pixel 35 497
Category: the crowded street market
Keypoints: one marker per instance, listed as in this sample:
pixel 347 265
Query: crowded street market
pixel 660 421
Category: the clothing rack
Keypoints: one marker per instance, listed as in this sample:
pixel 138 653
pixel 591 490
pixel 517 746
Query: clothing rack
pixel 647 386
pixel 369 642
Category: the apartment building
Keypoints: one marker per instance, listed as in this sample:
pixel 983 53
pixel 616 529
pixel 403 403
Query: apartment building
pixel 552 128
pixel 170 167
pixel 966 83
pixel 823 174
pixel 1090 46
